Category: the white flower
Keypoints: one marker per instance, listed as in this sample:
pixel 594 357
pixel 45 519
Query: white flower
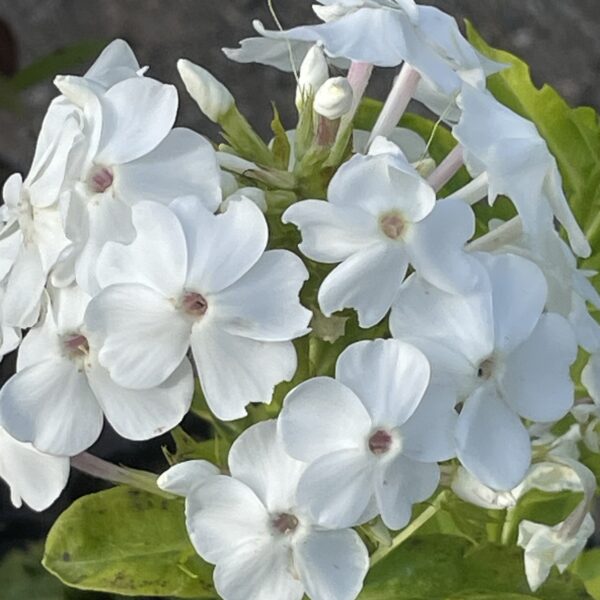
pixel 34 478
pixel 545 476
pixel 194 277
pixel 517 162
pixel 182 478
pixel 115 63
pixel 253 194
pixel 372 431
pixel 211 96
pixel 10 337
pixel 260 537
pixel 384 33
pixel 60 392
pixel 546 546
pixel 501 354
pixel 559 545
pixel 128 153
pixel 31 242
pixel 381 216
pixel 314 72
pixel 334 98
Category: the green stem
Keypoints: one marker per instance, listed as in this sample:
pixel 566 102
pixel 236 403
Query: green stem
pixel 509 528
pixel 407 532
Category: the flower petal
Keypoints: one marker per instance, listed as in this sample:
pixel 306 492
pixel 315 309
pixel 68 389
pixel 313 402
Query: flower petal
pixel 343 504
pixel 222 515
pixel 51 405
pixel 156 258
pixel 224 246
pixel 331 564
pixel 257 458
pixel 463 324
pixel 492 443
pixel 388 376
pixel 137 114
pixel 183 477
pixel 321 416
pixel 145 337
pixel 519 293
pixel 183 164
pixel 436 247
pixel 264 304
pixel 400 484
pixel 368 281
pixel 331 233
pixel 537 381
pixel 144 414
pixel 235 371
pixel 34 478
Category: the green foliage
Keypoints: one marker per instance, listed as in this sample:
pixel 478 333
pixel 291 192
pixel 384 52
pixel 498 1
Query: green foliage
pixel 444 567
pixel 22 577
pixel 587 568
pixel 573 135
pixel 127 542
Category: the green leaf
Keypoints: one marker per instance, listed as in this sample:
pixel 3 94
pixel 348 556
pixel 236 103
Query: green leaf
pixel 60 61
pixel 587 568
pixel 22 577
pixel 573 135
pixel 127 542
pixel 440 567
pixel 281 145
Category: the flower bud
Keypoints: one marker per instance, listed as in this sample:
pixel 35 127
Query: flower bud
pixel 314 72
pixel 254 194
pixel 213 98
pixel 334 98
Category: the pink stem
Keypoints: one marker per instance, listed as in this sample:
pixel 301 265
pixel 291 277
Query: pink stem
pixel 102 469
pixel 358 78
pixel 400 95
pixel 446 170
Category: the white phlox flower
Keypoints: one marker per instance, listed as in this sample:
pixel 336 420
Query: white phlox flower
pixel 381 216
pixel 518 164
pixel 504 357
pixel 384 33
pixel 60 393
pixel 371 437
pixel 259 536
pixel 545 476
pixel 191 277
pixel 569 288
pixel 34 478
pixel 546 546
pixel 129 152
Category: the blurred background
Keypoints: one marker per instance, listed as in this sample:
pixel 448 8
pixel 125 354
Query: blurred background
pixel 39 38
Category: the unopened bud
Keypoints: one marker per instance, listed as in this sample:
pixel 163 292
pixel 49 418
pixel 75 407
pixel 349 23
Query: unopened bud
pixel 213 98
pixel 314 72
pixel 334 98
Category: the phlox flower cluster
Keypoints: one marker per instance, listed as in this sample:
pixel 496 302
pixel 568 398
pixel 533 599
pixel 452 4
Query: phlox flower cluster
pixel 139 262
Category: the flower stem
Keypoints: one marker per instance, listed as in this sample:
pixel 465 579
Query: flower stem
pixel 506 233
pixel 474 191
pixel 407 532
pixel 446 170
pixel 102 469
pixel 400 95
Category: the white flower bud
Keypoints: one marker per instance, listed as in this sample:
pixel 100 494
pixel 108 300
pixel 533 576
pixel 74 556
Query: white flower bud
pixel 334 98
pixel 314 72
pixel 213 98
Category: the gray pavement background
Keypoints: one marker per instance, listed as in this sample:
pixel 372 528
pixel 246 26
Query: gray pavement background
pixel 560 39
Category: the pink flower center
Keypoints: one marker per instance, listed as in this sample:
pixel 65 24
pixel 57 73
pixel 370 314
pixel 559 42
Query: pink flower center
pixel 392 224
pixel 100 179
pixel 285 523
pixel 380 442
pixel 76 345
pixel 194 304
